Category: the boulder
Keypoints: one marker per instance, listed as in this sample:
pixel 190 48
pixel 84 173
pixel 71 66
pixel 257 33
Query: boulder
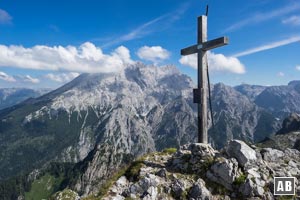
pixel 224 172
pixel 199 191
pixel 203 151
pixel 241 151
pixel 120 185
pixel 178 188
pixel 270 154
pixel 162 173
pixel 251 189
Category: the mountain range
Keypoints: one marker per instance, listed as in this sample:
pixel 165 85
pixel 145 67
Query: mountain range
pixel 13 96
pixel 99 122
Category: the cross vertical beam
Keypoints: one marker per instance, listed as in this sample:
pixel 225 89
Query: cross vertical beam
pixel 200 93
pixel 202 81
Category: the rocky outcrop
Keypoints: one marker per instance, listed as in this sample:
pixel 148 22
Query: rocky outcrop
pixel 287 137
pixel 242 152
pixel 197 171
pixel 290 124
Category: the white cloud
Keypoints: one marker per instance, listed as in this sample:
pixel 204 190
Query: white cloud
pixel 158 24
pixel 280 74
pixel 63 77
pixel 261 17
pixel 85 58
pixel 293 20
pixel 216 62
pixel 154 53
pixel 30 79
pixel 298 67
pixel 6 77
pixel 5 18
pixel 268 46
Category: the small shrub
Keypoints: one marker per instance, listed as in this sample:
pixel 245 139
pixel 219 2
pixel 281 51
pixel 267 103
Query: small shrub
pixel 240 180
pixel 133 171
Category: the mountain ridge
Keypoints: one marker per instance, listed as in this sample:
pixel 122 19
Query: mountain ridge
pixel 124 115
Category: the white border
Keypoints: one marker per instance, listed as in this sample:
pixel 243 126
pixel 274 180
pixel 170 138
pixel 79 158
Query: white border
pixel 285 177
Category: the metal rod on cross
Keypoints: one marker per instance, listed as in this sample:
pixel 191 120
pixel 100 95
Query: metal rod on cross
pixel 200 93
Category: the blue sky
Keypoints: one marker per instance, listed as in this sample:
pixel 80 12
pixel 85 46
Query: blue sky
pixel 47 43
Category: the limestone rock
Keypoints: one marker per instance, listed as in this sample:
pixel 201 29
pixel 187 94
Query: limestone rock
pixel 199 191
pixel 224 171
pixel 203 151
pixel 175 176
pixel 271 154
pixel 241 151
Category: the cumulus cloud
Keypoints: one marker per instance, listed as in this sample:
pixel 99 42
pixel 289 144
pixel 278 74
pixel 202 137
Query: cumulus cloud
pixel 154 53
pixel 85 58
pixel 298 67
pixel 293 20
pixel 63 77
pixel 6 77
pixel 5 18
pixel 217 62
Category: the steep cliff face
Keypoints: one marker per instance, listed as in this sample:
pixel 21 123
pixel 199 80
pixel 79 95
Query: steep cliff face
pixel 280 100
pixel 251 91
pixel 236 116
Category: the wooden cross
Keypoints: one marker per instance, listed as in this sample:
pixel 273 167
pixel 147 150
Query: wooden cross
pixel 200 93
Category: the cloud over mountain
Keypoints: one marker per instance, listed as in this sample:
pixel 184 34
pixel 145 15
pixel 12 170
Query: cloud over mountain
pixel 63 77
pixel 217 62
pixel 154 53
pixel 85 58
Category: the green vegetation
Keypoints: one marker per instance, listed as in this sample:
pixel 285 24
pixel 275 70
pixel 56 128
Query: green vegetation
pixel 131 172
pixel 216 188
pixel 13 187
pixel 289 197
pixel 169 150
pixel 66 194
pixel 43 187
pixel 240 180
pixel 207 164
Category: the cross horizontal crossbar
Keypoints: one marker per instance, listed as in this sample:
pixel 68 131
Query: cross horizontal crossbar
pixel 205 46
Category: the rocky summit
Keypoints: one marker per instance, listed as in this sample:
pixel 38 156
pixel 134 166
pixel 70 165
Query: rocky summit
pixel 199 172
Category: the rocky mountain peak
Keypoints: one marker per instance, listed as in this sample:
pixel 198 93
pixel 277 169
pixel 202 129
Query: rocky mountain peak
pixel 197 171
pixel 294 83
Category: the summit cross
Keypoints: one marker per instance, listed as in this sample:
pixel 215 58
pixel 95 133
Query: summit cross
pixel 200 93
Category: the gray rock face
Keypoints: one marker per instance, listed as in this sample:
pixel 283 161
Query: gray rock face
pixel 224 172
pixel 235 113
pixel 241 151
pixel 225 179
pixel 199 191
pixel 280 100
pixel 251 91
pixel 269 154
pixel 290 124
pixel 202 151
